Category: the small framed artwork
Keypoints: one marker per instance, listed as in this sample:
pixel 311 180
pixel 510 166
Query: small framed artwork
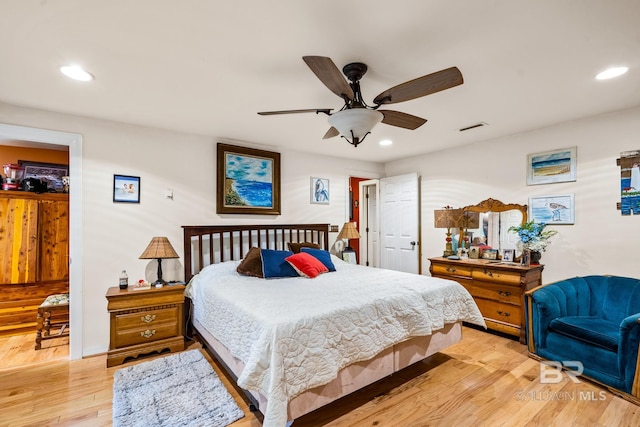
pixel 319 191
pixel 552 209
pixel 50 173
pixel 508 255
pixel 126 189
pixel 552 166
pixel 474 252
pixel 248 181
pixel 490 254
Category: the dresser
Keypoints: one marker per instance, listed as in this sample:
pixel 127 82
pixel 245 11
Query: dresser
pixel 144 321
pixel 498 289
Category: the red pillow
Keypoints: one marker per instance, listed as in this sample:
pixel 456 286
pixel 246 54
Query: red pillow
pixel 306 265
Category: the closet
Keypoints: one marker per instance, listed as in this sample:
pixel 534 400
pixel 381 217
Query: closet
pixel 34 255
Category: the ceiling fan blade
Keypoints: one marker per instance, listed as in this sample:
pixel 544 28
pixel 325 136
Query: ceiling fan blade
pixel 331 133
pixel 328 73
pixel 310 110
pixel 422 86
pixel 402 120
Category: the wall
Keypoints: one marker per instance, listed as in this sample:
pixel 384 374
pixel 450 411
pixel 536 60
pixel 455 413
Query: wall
pixel 9 154
pixel 602 241
pixel 115 234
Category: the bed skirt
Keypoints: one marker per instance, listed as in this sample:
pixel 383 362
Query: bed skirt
pixel 350 378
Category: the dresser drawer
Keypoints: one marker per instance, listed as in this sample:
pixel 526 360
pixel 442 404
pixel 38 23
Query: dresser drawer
pixel 495 292
pixel 146 318
pixel 500 311
pixel 496 275
pixel 451 270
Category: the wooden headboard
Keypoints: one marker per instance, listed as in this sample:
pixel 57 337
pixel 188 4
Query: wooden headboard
pixel 211 244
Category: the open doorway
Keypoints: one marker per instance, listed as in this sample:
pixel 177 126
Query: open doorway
pixel 73 143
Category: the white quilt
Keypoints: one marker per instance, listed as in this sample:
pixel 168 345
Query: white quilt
pixel 294 334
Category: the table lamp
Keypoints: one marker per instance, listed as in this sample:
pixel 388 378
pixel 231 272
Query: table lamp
pixel 349 231
pixel 447 218
pixel 159 249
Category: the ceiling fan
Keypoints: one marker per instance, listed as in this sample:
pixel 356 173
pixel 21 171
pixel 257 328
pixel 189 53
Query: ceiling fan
pixel 355 119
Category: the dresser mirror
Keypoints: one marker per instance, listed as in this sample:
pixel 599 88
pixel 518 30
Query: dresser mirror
pixel 493 225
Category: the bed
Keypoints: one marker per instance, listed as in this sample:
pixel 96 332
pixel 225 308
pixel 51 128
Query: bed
pixel 296 344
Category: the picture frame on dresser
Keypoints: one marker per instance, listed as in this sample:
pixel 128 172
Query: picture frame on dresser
pixel 508 255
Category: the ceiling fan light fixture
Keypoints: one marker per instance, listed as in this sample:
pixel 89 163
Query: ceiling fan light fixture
pixel 355 124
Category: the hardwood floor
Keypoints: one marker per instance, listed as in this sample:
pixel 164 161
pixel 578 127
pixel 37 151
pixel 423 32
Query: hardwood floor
pixel 485 380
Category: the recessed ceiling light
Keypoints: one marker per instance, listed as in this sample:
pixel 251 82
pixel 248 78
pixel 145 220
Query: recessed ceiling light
pixel 386 142
pixel 76 72
pixel 611 73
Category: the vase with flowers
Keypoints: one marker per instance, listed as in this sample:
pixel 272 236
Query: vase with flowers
pixel 533 238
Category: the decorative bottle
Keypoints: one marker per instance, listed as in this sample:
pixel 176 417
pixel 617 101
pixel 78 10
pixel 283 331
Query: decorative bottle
pixel 124 280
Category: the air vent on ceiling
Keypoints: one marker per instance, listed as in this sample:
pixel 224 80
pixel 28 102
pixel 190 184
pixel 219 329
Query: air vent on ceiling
pixel 477 125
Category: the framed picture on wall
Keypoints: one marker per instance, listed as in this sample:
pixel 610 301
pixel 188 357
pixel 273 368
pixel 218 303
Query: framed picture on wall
pixel 248 181
pixel 552 209
pixel 319 191
pixel 126 189
pixel 552 166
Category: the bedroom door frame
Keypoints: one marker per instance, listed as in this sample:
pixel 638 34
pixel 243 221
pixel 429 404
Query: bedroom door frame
pixel 74 142
pixel 370 223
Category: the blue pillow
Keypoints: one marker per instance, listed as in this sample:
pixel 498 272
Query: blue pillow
pixel 274 264
pixel 322 255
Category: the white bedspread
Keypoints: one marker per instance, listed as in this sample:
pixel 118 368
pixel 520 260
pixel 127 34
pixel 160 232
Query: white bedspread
pixel 296 333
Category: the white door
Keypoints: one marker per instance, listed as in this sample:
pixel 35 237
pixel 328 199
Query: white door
pixel 399 223
pixel 369 223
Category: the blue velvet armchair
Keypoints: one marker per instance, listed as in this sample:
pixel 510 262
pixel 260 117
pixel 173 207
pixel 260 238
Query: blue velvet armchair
pixel 594 320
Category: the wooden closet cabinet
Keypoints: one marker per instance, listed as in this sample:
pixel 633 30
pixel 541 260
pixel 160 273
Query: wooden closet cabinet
pixel 497 288
pixel 34 248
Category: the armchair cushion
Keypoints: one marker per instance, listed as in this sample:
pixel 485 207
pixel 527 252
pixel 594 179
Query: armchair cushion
pixel 588 329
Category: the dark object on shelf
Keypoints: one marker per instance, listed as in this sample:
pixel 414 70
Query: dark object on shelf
pixel 34 185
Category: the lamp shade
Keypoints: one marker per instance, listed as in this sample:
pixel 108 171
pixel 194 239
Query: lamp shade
pixel 349 231
pixel 446 218
pixel 469 219
pixel 355 123
pixel 159 248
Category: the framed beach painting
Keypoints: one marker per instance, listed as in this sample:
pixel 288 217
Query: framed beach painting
pixel 319 191
pixel 551 166
pixel 552 209
pixel 126 189
pixel 248 181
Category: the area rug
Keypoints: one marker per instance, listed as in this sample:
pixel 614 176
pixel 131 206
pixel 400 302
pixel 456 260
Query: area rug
pixel 177 390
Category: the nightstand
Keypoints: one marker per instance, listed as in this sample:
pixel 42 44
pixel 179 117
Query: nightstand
pixel 144 321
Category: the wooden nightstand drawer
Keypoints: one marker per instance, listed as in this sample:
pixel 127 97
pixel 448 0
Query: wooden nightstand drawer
pixel 146 319
pixel 143 335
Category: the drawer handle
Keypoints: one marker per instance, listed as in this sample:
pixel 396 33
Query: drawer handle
pixel 504 294
pixel 451 269
pixel 148 333
pixel 148 318
pixel 504 313
pixel 488 273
